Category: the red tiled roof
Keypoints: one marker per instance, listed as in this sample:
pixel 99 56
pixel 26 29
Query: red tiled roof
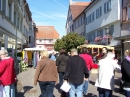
pixel 77 8
pixel 46 32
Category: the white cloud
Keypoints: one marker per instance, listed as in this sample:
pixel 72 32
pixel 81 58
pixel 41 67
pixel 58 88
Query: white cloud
pixel 60 4
pixel 59 15
pixel 38 13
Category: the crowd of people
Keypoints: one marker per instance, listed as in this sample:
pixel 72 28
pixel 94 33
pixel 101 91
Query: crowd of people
pixel 73 68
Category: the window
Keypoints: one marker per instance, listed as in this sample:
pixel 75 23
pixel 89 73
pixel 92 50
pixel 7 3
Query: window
pixel 100 33
pixel 82 21
pixel 40 40
pixel 76 24
pixel 29 39
pixel 107 6
pixel 18 22
pixel 21 24
pixel 50 40
pixel 3 6
pixel 70 18
pixel 72 27
pixel 86 20
pixel 89 18
pixel 112 30
pixel 0 5
pixel 92 17
pixel 10 10
pixel 99 12
pixel 14 17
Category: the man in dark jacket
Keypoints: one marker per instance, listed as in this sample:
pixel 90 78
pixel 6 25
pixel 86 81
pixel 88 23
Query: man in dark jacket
pixel 61 62
pixel 74 74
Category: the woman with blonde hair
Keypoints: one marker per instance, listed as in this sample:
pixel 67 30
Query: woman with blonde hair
pixel 125 68
pixel 46 75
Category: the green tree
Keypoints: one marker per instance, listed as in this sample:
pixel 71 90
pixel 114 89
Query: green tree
pixel 71 40
pixel 59 44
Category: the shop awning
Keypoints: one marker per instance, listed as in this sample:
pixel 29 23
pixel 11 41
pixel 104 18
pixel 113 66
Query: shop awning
pixel 126 41
pixel 122 37
pixel 34 49
pixel 95 46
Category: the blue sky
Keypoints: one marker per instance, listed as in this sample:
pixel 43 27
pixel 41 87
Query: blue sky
pixel 50 13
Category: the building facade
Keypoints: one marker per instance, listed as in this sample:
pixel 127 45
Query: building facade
pixel 32 34
pixel 75 18
pixel 124 36
pixel 14 23
pixel 103 22
pixel 46 37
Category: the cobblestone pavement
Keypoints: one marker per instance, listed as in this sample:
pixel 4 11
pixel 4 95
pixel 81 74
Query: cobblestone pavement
pixel 27 79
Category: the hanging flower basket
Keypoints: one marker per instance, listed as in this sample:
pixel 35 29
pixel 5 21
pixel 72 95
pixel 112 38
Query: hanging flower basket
pixel 107 37
pixel 98 39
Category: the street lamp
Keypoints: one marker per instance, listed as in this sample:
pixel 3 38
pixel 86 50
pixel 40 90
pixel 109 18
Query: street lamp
pixel 107 30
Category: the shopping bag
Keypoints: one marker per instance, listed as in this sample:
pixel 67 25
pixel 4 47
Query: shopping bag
pixel 2 92
pixel 65 87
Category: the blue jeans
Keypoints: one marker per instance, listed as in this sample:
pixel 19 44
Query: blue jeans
pixel 127 93
pixel 9 90
pixel 47 88
pixel 104 92
pixel 61 75
pixel 85 87
pixel 76 89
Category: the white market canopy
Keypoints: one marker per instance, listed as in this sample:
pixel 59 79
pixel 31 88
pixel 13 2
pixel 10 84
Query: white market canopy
pixel 34 49
pixel 95 46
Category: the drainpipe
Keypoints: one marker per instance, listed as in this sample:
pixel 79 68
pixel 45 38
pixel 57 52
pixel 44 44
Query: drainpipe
pixel 85 24
pixel 122 44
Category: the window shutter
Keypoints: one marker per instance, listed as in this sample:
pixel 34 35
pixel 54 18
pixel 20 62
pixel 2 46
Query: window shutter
pixel 110 4
pixel 105 8
pixel 0 5
pixel 86 20
pixel 96 13
pixel 100 11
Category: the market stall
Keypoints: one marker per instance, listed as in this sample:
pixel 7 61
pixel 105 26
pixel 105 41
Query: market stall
pixel 32 55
